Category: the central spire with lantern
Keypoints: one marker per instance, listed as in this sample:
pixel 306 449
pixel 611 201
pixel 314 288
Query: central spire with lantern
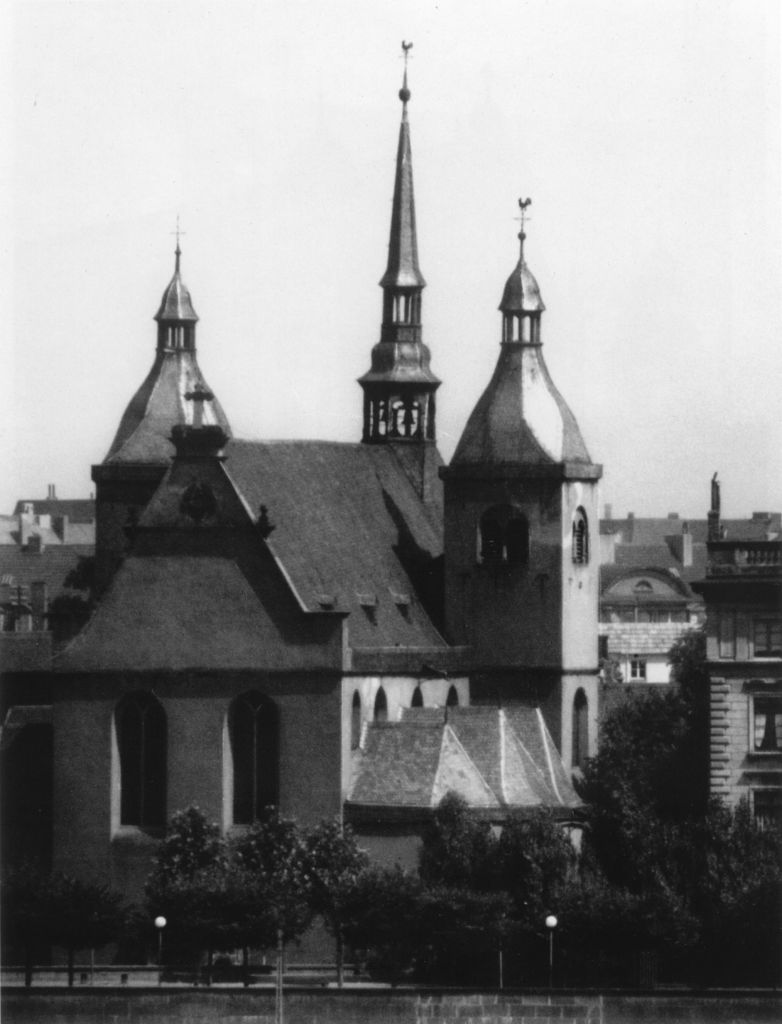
pixel 399 388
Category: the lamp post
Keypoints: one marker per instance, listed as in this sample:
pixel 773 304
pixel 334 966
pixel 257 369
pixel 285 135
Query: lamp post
pixel 551 924
pixel 160 924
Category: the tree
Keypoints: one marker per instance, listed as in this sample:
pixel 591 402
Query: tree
pixel 26 914
pixel 457 849
pixel 336 863
pixel 272 869
pixel 382 920
pixel 535 860
pixel 41 910
pixel 83 916
pixel 191 887
pixel 640 782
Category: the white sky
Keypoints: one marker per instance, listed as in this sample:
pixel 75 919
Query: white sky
pixel 646 131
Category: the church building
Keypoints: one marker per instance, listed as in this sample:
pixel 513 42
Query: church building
pixel 333 628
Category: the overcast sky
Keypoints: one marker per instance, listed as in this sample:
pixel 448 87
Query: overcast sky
pixel 647 133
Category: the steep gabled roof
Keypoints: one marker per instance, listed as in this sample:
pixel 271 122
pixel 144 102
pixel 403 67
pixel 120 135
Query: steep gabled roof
pixel 350 533
pixel 178 612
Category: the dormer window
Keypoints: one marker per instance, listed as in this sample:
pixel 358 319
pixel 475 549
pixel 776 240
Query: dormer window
pixel 503 537
pixel 580 537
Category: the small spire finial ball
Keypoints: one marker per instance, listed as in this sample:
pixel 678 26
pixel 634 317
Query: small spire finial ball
pixel 404 94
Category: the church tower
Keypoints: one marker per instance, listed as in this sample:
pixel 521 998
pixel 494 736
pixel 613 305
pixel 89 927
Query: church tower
pixel 174 393
pixel 399 388
pixel 521 543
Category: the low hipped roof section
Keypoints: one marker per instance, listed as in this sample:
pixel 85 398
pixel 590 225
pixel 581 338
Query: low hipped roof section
pixel 498 759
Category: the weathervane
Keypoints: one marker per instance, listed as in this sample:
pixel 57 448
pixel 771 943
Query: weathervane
pixel 523 204
pixel 404 92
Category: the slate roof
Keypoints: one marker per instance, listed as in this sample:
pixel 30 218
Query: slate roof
pixel 78 510
pixel 640 530
pixel 181 612
pixel 350 532
pixel 80 534
pixel 668 582
pixel 521 418
pixel 643 637
pixel 144 432
pixel 496 758
pixel 656 556
pixel 51 566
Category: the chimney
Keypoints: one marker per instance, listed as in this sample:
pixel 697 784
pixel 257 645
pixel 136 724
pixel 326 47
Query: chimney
pixel 50 493
pixel 673 515
pixel 26 519
pixel 680 545
pixel 39 604
pixel 608 511
pixel 630 527
pixel 35 544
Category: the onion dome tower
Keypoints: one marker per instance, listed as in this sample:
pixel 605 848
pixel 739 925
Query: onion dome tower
pixel 173 394
pixel 520 514
pixel 399 388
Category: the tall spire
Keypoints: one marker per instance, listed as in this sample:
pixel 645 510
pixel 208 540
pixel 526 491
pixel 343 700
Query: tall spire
pixel 403 270
pixel 399 388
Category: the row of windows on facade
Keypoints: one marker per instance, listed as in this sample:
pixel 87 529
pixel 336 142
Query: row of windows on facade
pixel 765 636
pixel 504 537
pixel 380 710
pixel 253 734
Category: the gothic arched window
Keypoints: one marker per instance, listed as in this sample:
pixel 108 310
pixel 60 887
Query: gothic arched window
pixel 381 706
pixel 452 700
pixel 580 537
pixel 580 730
pixel 142 745
pixel 355 722
pixel 418 698
pixel 254 735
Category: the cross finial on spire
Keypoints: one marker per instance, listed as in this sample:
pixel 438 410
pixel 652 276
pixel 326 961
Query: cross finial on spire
pixel 404 92
pixel 523 204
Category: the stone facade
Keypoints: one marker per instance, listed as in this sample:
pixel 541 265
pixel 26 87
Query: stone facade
pixel 743 594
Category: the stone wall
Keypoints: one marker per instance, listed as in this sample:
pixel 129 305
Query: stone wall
pixel 381 1006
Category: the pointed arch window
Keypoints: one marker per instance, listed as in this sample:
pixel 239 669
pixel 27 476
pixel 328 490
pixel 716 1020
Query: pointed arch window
pixel 580 730
pixel 254 735
pixel 381 706
pixel 452 700
pixel 418 698
pixel 580 544
pixel 355 721
pixel 141 730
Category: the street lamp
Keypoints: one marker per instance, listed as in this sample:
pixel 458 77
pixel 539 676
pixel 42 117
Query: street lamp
pixel 551 924
pixel 160 924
